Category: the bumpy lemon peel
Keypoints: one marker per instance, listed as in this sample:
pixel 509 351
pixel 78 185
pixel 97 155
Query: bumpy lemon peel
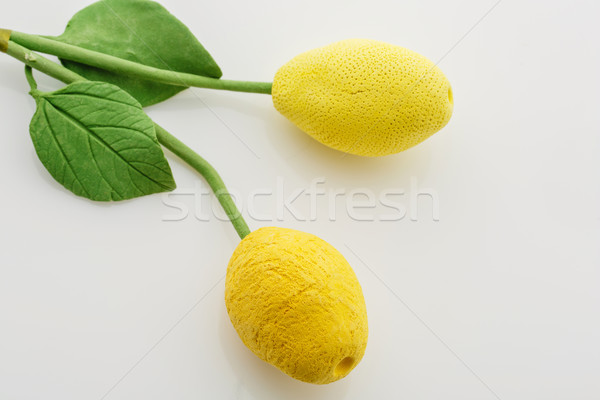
pixel 364 97
pixel 297 304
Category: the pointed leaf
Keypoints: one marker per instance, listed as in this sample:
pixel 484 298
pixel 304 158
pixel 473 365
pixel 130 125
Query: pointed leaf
pixel 141 31
pixel 96 141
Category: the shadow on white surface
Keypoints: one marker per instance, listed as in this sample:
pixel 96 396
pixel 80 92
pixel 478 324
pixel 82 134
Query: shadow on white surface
pixel 309 157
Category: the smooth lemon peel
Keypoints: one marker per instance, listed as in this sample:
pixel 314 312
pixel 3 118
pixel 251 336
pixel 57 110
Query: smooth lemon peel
pixel 364 97
pixel 296 303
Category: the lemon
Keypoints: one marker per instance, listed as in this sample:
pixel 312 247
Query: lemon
pixel 296 303
pixel 364 97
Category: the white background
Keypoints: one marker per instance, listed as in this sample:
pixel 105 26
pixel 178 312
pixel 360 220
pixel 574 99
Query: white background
pixel 499 299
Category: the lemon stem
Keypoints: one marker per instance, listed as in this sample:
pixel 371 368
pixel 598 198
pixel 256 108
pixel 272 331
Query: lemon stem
pixel 215 182
pixel 121 66
pixel 194 160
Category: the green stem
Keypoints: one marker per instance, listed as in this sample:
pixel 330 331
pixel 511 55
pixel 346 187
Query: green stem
pixel 42 64
pixel 30 78
pixel 130 68
pixel 209 173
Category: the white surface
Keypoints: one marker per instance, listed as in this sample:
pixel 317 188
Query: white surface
pixel 497 299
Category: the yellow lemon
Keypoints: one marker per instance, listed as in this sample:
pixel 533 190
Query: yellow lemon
pixel 364 97
pixel 296 303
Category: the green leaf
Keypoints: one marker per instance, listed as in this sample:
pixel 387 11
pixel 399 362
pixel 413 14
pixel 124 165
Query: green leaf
pixel 96 141
pixel 141 31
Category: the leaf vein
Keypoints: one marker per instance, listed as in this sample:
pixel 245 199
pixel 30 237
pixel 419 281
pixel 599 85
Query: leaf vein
pixel 98 126
pixel 105 144
pixel 62 152
pixel 89 142
pixel 87 94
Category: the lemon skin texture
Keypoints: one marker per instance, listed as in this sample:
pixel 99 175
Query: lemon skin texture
pixel 364 97
pixel 296 303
